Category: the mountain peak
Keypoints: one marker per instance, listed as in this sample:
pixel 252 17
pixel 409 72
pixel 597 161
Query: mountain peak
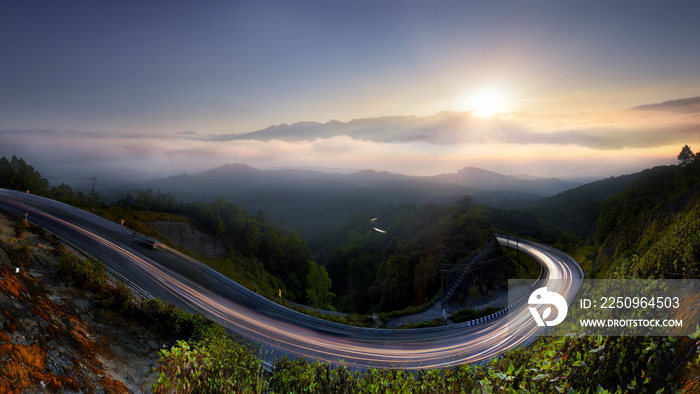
pixel 374 174
pixel 235 166
pixel 230 169
pixel 476 170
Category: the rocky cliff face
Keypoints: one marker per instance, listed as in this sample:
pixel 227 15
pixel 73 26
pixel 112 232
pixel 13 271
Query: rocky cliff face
pixel 188 237
pixel 56 338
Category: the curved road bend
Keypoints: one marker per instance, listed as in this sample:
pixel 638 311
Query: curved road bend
pixel 194 286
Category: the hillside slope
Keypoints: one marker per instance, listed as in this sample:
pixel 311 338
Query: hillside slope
pixel 658 211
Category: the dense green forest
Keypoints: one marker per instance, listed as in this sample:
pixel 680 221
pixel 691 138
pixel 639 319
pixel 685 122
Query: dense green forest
pixel 653 224
pixel 394 257
pixel 399 266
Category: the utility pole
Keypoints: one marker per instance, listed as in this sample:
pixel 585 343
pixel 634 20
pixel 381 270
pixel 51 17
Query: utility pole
pixel 93 192
pixel 442 283
pixel 442 294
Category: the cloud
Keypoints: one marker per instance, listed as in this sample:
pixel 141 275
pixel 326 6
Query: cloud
pixel 188 132
pixel 617 130
pixel 561 145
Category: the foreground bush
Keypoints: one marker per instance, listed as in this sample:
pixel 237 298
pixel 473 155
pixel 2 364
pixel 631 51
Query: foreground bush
pixel 214 365
pixel 88 273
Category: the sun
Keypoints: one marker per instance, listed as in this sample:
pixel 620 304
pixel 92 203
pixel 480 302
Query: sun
pixel 485 102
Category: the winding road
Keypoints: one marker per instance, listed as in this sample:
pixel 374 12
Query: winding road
pixel 192 285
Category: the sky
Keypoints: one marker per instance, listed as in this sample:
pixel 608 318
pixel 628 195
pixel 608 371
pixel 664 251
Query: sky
pixel 136 90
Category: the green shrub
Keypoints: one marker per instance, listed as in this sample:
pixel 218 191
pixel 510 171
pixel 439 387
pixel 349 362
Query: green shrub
pixel 179 324
pixel 302 376
pixel 88 273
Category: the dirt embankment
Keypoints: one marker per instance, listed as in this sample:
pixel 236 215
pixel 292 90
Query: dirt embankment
pixel 55 338
pixel 188 237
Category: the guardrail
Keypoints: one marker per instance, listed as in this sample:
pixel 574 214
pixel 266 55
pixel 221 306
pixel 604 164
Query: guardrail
pixel 117 276
pixel 496 314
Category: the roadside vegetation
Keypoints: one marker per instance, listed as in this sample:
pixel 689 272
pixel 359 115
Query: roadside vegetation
pixel 162 317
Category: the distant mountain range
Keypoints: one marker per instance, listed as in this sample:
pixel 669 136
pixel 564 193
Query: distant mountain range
pixel 451 127
pixel 308 200
pixel 442 128
pixel 240 179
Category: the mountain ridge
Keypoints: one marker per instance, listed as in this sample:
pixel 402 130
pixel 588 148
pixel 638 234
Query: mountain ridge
pixel 445 128
pixel 309 200
pixel 690 104
pixel 472 178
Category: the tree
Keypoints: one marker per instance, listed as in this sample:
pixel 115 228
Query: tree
pixel 63 193
pixel 318 294
pixel 17 174
pixel 143 201
pixel 686 156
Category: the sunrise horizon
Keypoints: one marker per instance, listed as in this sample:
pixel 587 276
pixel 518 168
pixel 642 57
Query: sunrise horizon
pixel 115 90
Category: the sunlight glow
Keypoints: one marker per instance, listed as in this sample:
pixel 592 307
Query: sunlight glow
pixel 485 102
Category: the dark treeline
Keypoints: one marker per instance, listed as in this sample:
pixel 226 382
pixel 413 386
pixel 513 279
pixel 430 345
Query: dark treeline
pixel 16 174
pixel 375 271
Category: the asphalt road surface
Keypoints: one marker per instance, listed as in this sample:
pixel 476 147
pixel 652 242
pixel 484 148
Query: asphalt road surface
pixel 192 285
